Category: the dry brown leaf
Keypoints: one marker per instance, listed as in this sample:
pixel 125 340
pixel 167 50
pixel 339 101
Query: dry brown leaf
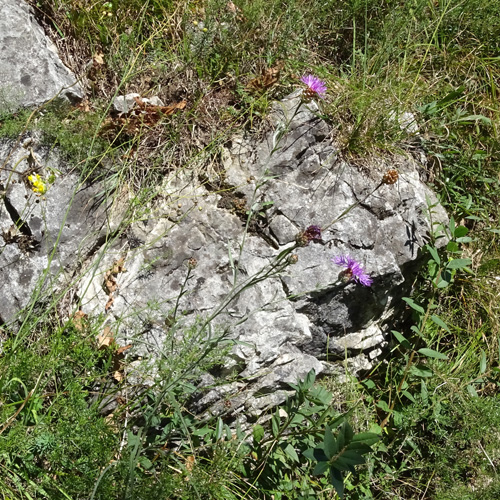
pixel 190 463
pixel 118 266
pixel 84 106
pixel 122 349
pixel 117 360
pixel 142 114
pixel 111 421
pixel 105 339
pixel 268 78
pixel 109 303
pixel 99 58
pixel 11 235
pixel 79 320
pixel 231 7
pixel 234 9
pixel 110 284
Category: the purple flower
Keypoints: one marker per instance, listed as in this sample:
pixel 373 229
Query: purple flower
pixel 354 270
pixel 315 86
pixel 313 233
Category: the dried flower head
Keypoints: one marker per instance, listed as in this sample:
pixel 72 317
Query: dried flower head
pixel 390 177
pixel 315 87
pixel 192 263
pixel 301 239
pixel 354 270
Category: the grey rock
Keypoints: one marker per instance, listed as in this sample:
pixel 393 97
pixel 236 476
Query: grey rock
pixel 43 239
pixel 406 121
pixel 31 71
pixel 301 318
pixel 124 103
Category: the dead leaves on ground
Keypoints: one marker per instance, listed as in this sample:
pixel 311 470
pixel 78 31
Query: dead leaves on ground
pixel 110 284
pixel 106 341
pixel 267 79
pixel 141 115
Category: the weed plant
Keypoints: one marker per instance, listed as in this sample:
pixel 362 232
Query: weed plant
pixel 433 400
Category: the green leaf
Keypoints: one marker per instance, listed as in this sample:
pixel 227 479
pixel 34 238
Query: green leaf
pixel 482 363
pixel 361 448
pixel 401 339
pixel 452 225
pixel 350 457
pixel 320 468
pixel 329 444
pixel 337 481
pixel 317 454
pixel 460 231
pixel 275 425
pixel 354 456
pixel 297 419
pixel 421 371
pixel 443 283
pixel 474 118
pixel 452 97
pixel 430 353
pixel 368 438
pixel 409 396
pixel 145 462
pixel 239 432
pixel 345 435
pixel 309 380
pixel 218 429
pixel 320 394
pixel 258 433
pixel 472 391
pixel 415 329
pixel 458 263
pixel 370 384
pixel 424 393
pixel 434 254
pixel 290 451
pixel 413 305
pixel 440 322
pixel 383 405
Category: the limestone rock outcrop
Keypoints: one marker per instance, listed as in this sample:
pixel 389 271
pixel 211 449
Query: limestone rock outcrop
pixel 31 71
pixel 215 257
pixel 304 317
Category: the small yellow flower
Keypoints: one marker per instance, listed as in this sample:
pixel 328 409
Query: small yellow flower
pixel 38 185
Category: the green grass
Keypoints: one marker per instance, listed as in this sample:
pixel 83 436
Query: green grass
pixel 438 418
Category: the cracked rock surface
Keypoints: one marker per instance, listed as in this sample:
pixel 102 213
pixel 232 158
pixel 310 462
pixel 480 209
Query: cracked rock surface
pixel 31 72
pixel 43 239
pixel 304 318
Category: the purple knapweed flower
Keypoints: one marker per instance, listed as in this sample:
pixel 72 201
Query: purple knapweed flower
pixel 312 233
pixel 354 270
pixel 315 86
